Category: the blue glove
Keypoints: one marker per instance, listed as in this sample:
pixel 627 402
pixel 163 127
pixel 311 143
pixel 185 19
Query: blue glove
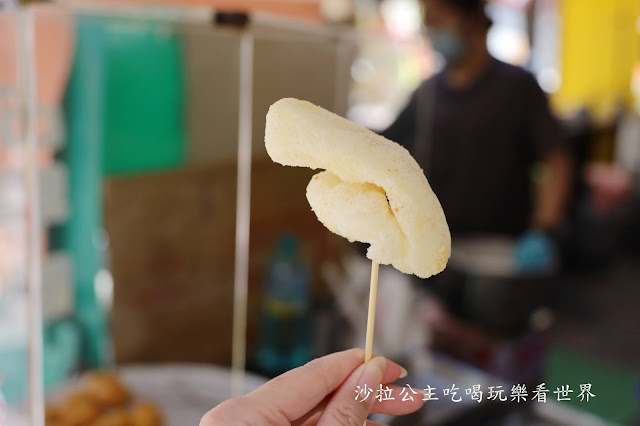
pixel 533 252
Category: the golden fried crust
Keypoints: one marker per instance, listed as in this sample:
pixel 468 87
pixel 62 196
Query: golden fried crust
pixel 106 389
pixel 78 409
pixel 145 414
pixel 52 414
pixel 116 417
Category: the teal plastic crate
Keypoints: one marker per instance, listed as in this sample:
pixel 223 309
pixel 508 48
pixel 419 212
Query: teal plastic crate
pixel 124 109
pixel 143 117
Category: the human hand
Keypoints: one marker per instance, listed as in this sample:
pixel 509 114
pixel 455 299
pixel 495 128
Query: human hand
pixel 534 251
pixel 322 392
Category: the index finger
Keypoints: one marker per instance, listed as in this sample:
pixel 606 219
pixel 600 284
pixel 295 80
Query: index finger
pixel 312 382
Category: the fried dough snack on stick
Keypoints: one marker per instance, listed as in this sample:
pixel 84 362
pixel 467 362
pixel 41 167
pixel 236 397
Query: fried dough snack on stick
pixel 372 191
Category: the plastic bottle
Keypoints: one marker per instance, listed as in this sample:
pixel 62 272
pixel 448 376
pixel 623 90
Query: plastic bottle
pixel 284 341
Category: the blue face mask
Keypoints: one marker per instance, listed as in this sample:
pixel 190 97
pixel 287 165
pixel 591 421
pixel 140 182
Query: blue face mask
pixel 447 43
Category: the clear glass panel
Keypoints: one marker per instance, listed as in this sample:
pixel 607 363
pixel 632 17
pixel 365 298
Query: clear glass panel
pixel 137 122
pixel 14 306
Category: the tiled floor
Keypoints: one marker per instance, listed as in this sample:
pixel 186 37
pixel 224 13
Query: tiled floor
pixel 596 338
pixel 598 313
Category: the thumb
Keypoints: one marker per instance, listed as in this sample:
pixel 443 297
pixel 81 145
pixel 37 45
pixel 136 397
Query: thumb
pixel 352 402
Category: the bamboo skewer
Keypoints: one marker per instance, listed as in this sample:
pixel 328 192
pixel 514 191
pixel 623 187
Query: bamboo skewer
pixel 371 317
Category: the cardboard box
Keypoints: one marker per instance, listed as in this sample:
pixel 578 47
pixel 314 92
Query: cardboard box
pixel 172 242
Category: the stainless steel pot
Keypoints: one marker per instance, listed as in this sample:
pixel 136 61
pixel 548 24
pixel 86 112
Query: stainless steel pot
pixel 483 285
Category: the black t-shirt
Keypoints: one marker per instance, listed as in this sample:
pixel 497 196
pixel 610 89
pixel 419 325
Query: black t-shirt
pixel 482 144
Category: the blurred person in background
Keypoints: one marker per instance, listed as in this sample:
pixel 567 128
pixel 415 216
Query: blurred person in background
pixel 494 154
pixel 479 128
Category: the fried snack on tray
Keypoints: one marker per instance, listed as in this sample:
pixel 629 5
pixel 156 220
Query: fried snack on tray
pixel 101 399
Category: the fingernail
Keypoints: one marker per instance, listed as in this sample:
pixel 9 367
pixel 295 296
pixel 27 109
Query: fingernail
pixel 403 373
pixel 373 372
